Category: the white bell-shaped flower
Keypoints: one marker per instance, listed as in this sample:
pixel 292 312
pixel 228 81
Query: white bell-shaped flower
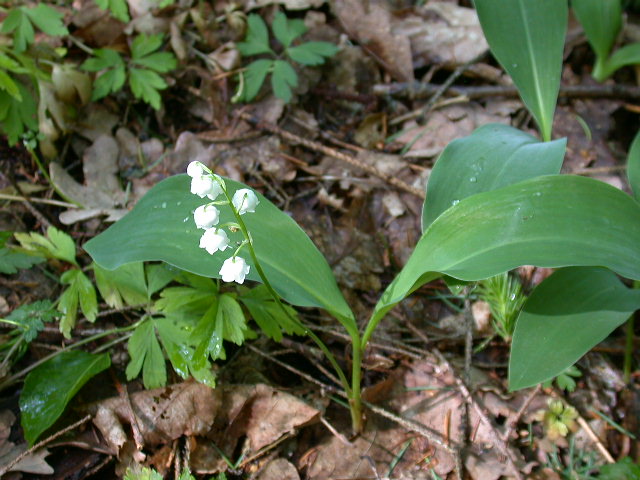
pixel 206 216
pixel 206 185
pixel 244 200
pixel 195 169
pixel 213 240
pixel 234 269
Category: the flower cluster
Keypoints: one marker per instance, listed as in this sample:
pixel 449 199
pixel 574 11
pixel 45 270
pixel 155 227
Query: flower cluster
pixel 206 184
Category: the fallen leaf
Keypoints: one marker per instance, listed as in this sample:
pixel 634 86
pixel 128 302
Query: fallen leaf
pixel 370 24
pixel 32 463
pixel 288 4
pixel 279 469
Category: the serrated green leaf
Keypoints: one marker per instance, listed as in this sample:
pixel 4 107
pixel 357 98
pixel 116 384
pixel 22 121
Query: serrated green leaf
pixel 145 85
pixel 109 82
pixel 118 8
pixel 47 19
pixel 186 475
pixel 18 23
pixel 283 77
pixel 144 44
pixel 32 317
pixel 17 117
pixel 146 355
pixel 161 62
pixel 79 292
pixel 565 316
pixel 254 78
pixel 268 314
pixel 159 275
pixel 103 58
pixel 8 85
pixel 312 53
pixel 175 342
pixel 633 166
pixel 230 319
pixel 56 244
pixel 11 260
pixel 125 284
pixel 188 301
pixel 208 341
pixel 51 386
pixel 286 30
pixel 257 39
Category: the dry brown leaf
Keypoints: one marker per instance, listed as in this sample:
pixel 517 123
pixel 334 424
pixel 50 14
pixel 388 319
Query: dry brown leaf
pixel 32 463
pixel 442 33
pixel 288 4
pixel 279 469
pixel 370 24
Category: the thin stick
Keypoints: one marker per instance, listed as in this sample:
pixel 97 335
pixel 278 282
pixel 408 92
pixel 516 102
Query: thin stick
pixel 332 152
pixel 513 420
pixel 45 201
pixel 599 445
pixel 41 444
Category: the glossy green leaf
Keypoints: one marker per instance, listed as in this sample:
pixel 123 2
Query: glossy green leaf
pixel 286 253
pixel 527 38
pixel 549 221
pixel 601 21
pixel 627 55
pixel 633 166
pixel 51 386
pixel 493 156
pixel 566 315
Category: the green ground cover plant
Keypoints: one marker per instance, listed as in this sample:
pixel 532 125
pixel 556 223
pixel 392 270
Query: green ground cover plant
pixel 502 184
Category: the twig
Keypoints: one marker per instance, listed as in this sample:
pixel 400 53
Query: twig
pixel 337 434
pixel 318 147
pixel 419 90
pixel 514 419
pixel 41 444
pixel 46 201
pixel 591 434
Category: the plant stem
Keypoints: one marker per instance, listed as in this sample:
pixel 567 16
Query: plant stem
pixel 276 297
pixel 628 351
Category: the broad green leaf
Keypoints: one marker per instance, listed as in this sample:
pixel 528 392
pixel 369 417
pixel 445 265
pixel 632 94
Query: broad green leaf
pixel 79 292
pixel 257 39
pixel 32 317
pixel 51 386
pixel 286 30
pixel 118 8
pixel 527 38
pixel 549 221
pixel 125 284
pixel 145 85
pixel 269 315
pixel 146 356
pixel 56 244
pixel 144 44
pixel 493 156
pixel 566 315
pixel 633 166
pixel 18 23
pixel 627 55
pixel 601 21
pixel 161 62
pixel 625 469
pixel 254 77
pixel 312 53
pixel 286 253
pixel 11 260
pixel 283 77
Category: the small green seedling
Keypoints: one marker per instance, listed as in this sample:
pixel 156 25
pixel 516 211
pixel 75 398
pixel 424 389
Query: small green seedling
pixel 283 75
pixel 504 295
pixel 21 21
pixel 142 70
pixel 558 419
pixel 565 381
pixel 602 22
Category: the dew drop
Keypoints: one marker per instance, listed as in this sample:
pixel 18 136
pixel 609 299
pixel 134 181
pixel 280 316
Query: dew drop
pixel 514 65
pixel 455 202
pixel 164 204
pixel 537 194
pixel 512 297
pixel 473 179
pixel 186 219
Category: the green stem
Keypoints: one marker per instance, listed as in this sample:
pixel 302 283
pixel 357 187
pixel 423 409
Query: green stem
pixel 36 159
pixel 628 351
pixel 276 297
pixel 14 378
